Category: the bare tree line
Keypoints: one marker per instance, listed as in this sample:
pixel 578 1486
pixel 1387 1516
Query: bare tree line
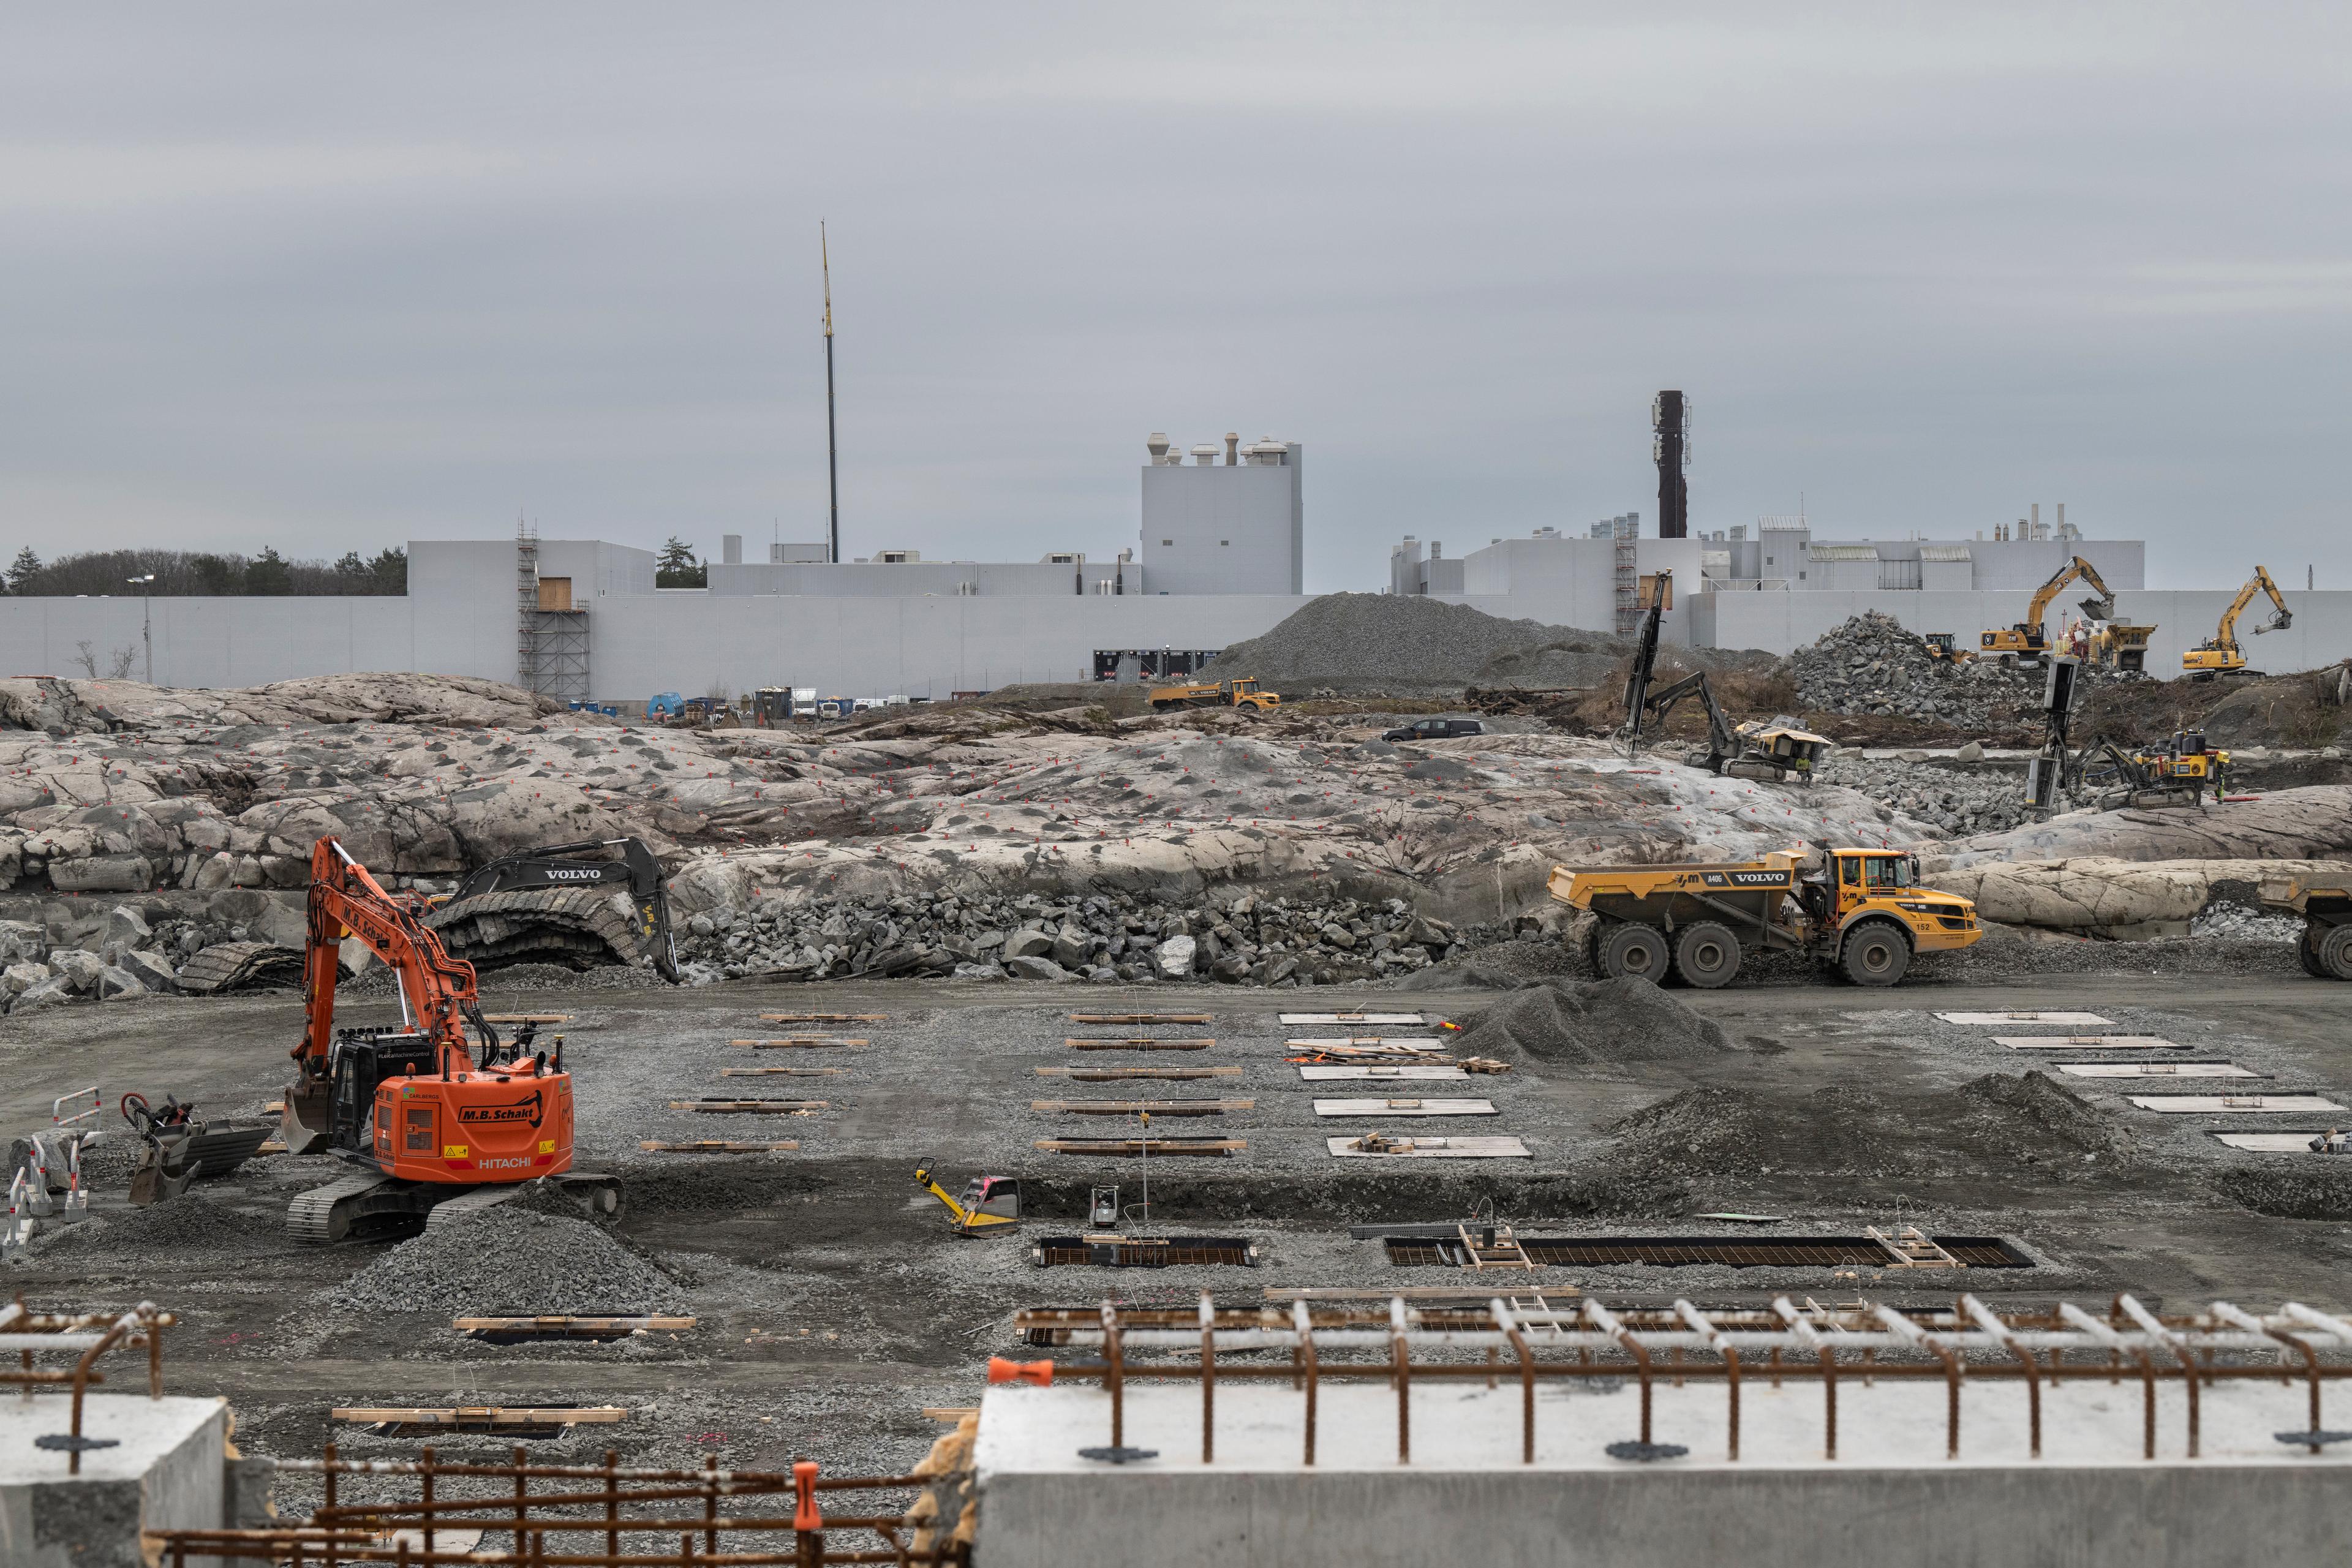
pixel 188 574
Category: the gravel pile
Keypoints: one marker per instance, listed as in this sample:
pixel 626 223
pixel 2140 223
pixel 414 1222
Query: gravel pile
pixel 1954 798
pixel 1104 938
pixel 508 1259
pixel 1402 641
pixel 1596 1022
pixel 2237 922
pixel 1873 664
pixel 2314 1189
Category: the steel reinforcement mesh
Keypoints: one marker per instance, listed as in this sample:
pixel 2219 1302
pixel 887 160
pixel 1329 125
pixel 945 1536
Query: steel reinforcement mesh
pixel 1730 1252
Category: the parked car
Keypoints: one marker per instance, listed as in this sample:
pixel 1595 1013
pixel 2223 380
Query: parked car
pixel 1435 730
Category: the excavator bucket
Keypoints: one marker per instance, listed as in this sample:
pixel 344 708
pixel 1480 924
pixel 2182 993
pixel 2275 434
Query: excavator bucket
pixel 304 1124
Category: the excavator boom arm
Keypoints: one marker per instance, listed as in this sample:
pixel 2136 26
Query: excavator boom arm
pixel 437 988
pixel 2075 567
pixel 2225 635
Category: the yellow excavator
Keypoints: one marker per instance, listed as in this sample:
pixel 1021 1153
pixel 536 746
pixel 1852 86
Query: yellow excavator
pixel 2026 642
pixel 988 1205
pixel 2220 654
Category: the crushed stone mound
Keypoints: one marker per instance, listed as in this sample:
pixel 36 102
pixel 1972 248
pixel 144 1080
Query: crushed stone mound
pixel 191 1222
pixel 2053 1109
pixel 508 1259
pixel 1730 1134
pixel 2316 1189
pixel 1599 1022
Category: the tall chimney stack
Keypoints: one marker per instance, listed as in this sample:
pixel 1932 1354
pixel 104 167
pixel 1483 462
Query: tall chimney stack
pixel 1670 444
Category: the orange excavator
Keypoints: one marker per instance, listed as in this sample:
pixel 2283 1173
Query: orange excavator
pixel 435 1128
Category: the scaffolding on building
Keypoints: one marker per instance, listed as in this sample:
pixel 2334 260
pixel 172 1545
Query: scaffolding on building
pixel 551 637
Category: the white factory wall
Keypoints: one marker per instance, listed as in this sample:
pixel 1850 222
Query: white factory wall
pixel 914 647
pixel 1225 528
pixel 1780 622
pixel 246 642
pixel 914 579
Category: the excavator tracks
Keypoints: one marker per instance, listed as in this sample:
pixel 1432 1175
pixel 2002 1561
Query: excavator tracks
pixel 328 1214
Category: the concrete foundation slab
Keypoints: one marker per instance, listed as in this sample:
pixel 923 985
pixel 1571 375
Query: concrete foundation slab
pixel 165 1472
pixel 1404 1108
pixel 2155 1069
pixel 2090 1019
pixel 1891 1499
pixel 2276 1142
pixel 2085 1042
pixel 1352 1018
pixel 2231 1104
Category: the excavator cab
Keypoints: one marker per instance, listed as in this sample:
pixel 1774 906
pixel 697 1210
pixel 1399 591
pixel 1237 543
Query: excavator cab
pixel 360 1062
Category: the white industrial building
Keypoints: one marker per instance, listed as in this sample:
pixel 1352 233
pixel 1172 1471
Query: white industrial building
pixel 1219 557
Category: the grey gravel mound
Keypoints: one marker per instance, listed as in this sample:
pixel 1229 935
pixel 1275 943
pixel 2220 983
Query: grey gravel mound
pixel 190 1221
pixel 2305 1189
pixel 1387 639
pixel 2053 1111
pixel 1599 1022
pixel 508 1259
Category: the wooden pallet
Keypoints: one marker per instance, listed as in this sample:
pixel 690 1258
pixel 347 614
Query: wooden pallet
pixel 570 1326
pixel 823 1017
pixel 479 1417
pixel 1131 1148
pixel 1911 1247
pixel 715 1146
pixel 1139 1018
pixel 780 1072
pixel 1112 1075
pixel 1136 1042
pixel 749 1107
pixel 800 1043
pixel 1134 1107
pixel 1387 1148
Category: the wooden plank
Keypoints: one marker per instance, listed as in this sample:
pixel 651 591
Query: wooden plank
pixel 527 1018
pixel 1134 1107
pixel 1112 1075
pixel 1129 1148
pixel 566 1322
pixel 481 1415
pixel 749 1107
pixel 1416 1072
pixel 2085 1042
pixel 1433 1149
pixel 1139 1018
pixel 2231 1104
pixel 1138 1043
pixel 780 1072
pixel 1404 1108
pixel 2091 1020
pixel 823 1017
pixel 954 1414
pixel 800 1043
pixel 2155 1069
pixel 715 1146
pixel 1352 1018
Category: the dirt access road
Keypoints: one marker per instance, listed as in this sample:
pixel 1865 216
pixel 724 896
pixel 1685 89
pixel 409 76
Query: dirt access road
pixel 834 1305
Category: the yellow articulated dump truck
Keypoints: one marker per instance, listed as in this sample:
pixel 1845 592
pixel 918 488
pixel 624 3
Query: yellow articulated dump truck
pixel 1860 913
pixel 2325 904
pixel 1240 693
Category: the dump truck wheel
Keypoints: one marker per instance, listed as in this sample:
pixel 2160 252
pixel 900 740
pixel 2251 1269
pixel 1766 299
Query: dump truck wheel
pixel 1635 951
pixel 1707 954
pixel 2306 948
pixel 1876 953
pixel 2336 952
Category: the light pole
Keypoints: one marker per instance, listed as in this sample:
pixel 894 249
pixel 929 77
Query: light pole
pixel 146 628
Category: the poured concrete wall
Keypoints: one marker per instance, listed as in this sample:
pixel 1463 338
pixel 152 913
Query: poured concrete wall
pixel 165 1472
pixel 1891 1499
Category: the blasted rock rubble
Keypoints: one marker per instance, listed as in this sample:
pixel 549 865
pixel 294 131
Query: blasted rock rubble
pixel 1874 666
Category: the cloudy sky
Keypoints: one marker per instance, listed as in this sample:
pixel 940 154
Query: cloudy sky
pixel 326 277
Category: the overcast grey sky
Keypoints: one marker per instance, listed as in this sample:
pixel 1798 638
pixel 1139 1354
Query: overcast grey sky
pixel 336 276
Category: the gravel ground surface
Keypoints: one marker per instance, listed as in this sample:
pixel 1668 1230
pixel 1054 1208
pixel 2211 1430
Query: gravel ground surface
pixel 833 1305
